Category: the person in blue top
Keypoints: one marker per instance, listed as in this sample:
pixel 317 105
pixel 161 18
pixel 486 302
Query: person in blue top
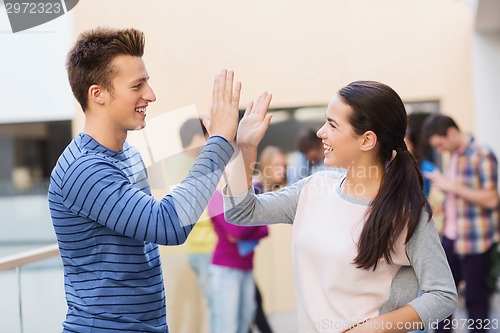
pixel 308 158
pixel 106 221
pixel 419 148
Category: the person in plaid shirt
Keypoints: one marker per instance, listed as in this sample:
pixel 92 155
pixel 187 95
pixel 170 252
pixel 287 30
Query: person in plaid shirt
pixel 471 212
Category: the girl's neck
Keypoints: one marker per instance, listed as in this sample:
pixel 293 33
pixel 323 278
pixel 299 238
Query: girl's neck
pixel 363 181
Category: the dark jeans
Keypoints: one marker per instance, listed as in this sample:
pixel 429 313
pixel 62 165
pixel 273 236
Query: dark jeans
pixel 260 317
pixel 473 269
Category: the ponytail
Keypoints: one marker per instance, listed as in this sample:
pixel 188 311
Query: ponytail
pixel 400 200
pixel 396 208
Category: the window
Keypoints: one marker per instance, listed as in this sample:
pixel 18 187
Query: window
pixel 288 122
pixel 29 152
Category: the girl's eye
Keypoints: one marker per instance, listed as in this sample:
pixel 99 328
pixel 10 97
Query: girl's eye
pixel 332 125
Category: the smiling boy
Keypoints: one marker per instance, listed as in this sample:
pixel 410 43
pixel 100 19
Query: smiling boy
pixel 106 221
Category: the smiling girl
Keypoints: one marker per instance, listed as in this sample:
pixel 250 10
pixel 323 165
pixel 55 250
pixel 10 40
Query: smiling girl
pixel 363 239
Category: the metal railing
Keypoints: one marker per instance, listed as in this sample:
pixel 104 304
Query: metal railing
pixel 15 262
pixel 28 257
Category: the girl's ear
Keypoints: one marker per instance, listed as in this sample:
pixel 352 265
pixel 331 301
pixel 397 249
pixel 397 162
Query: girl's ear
pixel 369 141
pixel 96 94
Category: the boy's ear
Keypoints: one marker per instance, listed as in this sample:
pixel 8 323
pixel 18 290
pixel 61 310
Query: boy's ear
pixel 451 131
pixel 368 140
pixel 96 94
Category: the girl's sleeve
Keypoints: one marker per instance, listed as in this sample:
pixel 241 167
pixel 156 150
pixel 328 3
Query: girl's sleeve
pixel 235 231
pixel 428 259
pixel 268 208
pixel 243 233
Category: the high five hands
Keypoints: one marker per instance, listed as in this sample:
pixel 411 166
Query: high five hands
pixel 224 115
pixel 225 106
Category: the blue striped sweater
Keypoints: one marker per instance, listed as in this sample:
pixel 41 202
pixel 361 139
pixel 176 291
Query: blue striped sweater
pixel 107 225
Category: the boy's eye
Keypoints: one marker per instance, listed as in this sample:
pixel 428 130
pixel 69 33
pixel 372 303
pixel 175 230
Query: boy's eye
pixel 137 86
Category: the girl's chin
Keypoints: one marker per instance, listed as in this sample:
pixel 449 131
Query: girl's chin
pixel 139 127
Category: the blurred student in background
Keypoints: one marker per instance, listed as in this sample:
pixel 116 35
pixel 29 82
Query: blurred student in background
pixel 424 154
pixel 233 287
pixel 271 176
pixel 272 170
pixel 308 158
pixel 417 146
pixel 201 241
pixel 471 212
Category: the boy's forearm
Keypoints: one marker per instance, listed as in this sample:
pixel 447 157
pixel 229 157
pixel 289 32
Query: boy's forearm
pixel 484 198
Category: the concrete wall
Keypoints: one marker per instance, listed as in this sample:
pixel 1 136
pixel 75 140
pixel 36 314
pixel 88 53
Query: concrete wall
pixel 486 64
pixel 301 52
pixel 33 85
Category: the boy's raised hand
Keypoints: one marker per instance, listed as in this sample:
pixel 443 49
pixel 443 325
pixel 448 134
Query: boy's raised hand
pixel 225 106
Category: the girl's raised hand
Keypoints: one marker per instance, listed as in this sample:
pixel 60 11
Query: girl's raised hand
pixel 255 122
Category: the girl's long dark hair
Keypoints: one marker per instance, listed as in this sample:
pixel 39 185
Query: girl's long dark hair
pixel 400 200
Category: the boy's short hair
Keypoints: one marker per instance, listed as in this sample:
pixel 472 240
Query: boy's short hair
pixel 307 140
pixel 437 124
pixel 89 61
pixel 189 129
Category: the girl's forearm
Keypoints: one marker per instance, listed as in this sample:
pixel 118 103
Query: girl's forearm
pixel 402 320
pixel 240 178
